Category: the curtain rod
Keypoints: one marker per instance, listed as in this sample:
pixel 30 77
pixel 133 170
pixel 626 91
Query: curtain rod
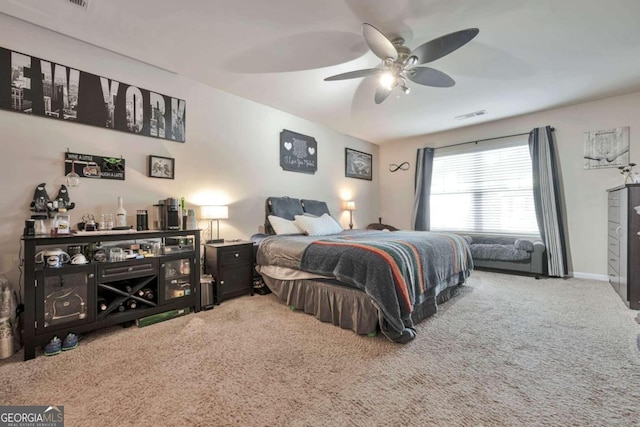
pixel 486 139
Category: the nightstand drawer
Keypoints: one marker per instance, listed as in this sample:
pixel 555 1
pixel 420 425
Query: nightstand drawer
pixel 236 254
pixel 614 198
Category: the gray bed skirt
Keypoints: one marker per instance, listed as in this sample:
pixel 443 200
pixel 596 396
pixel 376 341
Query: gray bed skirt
pixel 349 308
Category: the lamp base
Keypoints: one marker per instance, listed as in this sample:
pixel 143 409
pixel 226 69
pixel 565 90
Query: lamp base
pixel 214 241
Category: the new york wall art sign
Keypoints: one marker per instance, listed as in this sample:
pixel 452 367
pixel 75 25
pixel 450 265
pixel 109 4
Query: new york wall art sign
pixel 43 88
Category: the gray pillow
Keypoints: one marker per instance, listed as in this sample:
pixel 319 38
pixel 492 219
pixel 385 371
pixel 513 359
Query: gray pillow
pixel 525 245
pixel 315 207
pixel 285 207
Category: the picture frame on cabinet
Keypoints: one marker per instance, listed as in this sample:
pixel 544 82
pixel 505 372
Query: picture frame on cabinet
pixel 161 167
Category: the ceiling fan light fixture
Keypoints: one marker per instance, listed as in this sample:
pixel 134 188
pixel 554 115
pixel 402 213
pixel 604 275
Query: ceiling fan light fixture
pixel 387 80
pixel 400 64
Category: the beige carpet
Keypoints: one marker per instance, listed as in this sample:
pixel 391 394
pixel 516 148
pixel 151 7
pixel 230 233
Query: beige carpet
pixel 510 350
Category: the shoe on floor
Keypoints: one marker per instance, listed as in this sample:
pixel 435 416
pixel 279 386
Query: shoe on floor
pixel 70 342
pixel 53 347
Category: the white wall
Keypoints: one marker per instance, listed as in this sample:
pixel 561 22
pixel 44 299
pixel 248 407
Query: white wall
pixel 230 156
pixel 585 190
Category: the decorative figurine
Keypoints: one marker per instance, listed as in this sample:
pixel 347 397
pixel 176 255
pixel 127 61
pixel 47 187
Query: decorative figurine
pixel 62 200
pixel 41 202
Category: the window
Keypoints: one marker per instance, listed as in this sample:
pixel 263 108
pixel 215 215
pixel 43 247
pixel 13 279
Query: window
pixel 484 191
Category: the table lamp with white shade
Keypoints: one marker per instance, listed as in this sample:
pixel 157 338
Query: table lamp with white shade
pixel 214 212
pixel 350 206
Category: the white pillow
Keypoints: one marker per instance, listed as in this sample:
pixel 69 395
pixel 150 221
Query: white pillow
pixel 318 226
pixel 283 226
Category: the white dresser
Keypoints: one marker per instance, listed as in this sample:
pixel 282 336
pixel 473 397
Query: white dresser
pixel 624 243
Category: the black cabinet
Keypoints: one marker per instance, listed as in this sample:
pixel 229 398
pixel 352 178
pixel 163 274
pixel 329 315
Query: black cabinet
pixel 81 298
pixel 231 265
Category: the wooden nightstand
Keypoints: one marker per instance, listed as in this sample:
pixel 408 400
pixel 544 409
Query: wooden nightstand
pixel 231 265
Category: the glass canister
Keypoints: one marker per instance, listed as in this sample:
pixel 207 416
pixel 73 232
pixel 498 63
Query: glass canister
pixel 142 221
pixel 41 224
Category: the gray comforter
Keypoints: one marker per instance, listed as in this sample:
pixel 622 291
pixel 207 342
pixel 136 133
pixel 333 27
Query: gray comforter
pixel 397 270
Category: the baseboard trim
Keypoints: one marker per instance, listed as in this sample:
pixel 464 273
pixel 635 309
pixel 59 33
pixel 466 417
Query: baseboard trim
pixel 590 276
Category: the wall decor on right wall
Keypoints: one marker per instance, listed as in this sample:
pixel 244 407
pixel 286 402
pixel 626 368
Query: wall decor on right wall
pixel 607 148
pixel 358 164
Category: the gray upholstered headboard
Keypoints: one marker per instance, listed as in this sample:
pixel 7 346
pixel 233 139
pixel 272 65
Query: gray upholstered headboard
pixel 288 208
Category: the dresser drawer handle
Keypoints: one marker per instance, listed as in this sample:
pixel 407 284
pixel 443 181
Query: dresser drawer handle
pixel 130 269
pixel 236 254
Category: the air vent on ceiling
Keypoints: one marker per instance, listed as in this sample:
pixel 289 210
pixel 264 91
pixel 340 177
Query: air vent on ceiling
pixel 474 114
pixel 81 3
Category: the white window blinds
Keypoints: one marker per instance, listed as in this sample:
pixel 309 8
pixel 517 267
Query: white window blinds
pixel 488 191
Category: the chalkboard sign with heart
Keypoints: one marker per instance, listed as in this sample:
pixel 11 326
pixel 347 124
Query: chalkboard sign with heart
pixel 298 153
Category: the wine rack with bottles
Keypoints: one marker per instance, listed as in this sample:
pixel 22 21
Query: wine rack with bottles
pixel 81 298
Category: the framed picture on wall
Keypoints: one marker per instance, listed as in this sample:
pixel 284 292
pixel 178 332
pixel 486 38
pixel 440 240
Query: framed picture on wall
pixel 358 164
pixel 161 167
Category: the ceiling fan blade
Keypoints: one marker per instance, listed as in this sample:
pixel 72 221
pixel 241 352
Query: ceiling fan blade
pixel 441 46
pixel 382 93
pixel 379 44
pixel 354 74
pixel 430 77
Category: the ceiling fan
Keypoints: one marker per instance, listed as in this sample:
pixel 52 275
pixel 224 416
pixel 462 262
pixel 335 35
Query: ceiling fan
pixel 400 64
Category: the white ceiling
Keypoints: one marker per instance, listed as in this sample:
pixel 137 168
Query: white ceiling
pixel 530 55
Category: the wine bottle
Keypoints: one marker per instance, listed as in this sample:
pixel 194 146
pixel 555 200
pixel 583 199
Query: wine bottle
pixel 121 214
pixel 131 304
pixel 102 304
pixel 121 307
pixel 146 293
pixel 128 289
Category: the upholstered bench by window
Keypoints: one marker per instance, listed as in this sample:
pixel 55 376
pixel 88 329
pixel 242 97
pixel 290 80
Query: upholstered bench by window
pixel 508 253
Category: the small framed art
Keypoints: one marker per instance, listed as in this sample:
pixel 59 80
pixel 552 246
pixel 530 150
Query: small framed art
pixel 357 164
pixel 161 167
pixel 298 152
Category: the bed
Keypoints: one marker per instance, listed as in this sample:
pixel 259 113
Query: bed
pixel 363 280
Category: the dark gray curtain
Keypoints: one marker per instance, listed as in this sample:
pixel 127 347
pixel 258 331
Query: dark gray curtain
pixel 547 198
pixel 421 207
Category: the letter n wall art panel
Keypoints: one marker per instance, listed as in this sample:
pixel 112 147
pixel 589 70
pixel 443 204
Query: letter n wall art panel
pixel 43 88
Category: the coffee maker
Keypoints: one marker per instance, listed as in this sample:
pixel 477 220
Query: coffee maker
pixel 171 214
